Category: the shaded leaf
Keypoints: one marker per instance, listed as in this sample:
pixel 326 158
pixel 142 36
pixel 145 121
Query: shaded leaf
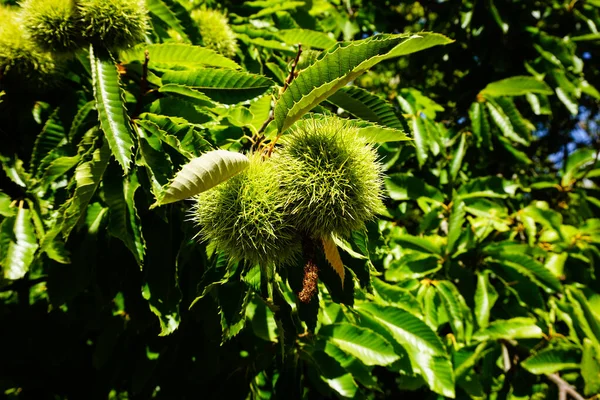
pixel 362 343
pixel 223 85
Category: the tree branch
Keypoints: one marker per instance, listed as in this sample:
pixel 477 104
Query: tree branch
pixel 143 85
pixel 563 386
pixel 291 76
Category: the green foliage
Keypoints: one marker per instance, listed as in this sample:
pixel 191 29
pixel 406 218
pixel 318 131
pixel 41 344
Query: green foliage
pixel 283 203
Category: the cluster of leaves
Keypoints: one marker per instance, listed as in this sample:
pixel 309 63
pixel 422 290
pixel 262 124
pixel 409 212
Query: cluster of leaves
pixel 478 281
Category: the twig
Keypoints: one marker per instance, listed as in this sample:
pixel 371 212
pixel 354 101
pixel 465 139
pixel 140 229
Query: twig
pixel 291 76
pixel 259 134
pixel 505 358
pixel 563 386
pixel 143 85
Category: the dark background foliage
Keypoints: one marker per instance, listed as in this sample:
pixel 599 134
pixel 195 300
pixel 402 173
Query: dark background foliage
pixel 489 242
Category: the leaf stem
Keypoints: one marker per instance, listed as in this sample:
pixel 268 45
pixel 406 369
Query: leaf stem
pixel 143 85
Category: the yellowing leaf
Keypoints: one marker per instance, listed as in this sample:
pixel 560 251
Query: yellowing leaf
pixel 333 257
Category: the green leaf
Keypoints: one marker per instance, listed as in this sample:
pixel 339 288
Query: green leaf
pixel 52 136
pixel 412 266
pixel 124 222
pixel 422 142
pixel 177 55
pixel 306 37
pixel 455 223
pixel 424 243
pixel 362 343
pixel 223 85
pixel 58 168
pixel 586 320
pixel 424 347
pixel 203 173
pixel 459 313
pixel 18 244
pixel 174 16
pixel 575 163
pixel 515 328
pixel 590 368
pixel 458 156
pixel 111 110
pixel 522 127
pixel 355 367
pixel 366 105
pixel 87 178
pixel 503 122
pixel 341 65
pixel 516 86
pixel 5 205
pixel 397 296
pixel 552 360
pixel 485 298
pixel 529 267
pixel 187 93
pixel 403 187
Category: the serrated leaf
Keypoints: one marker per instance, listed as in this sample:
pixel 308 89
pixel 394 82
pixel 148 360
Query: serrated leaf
pixel 111 110
pixel 333 257
pixel 53 134
pixel 58 168
pixel 187 93
pixel 503 122
pixel 397 296
pixel 459 313
pixel 529 267
pixel 87 178
pixel 522 127
pixel 458 156
pixel 424 347
pixel 421 243
pixel 171 16
pixel 516 86
pixel 366 105
pixel 178 55
pixel 586 320
pixel 306 37
pixel 202 173
pixel 412 266
pixel 422 142
pixel 340 66
pixel 18 244
pixel 485 298
pixel 590 368
pixel 362 343
pixel 455 223
pixel 223 85
pixel 515 328
pixel 124 222
pixel 552 360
